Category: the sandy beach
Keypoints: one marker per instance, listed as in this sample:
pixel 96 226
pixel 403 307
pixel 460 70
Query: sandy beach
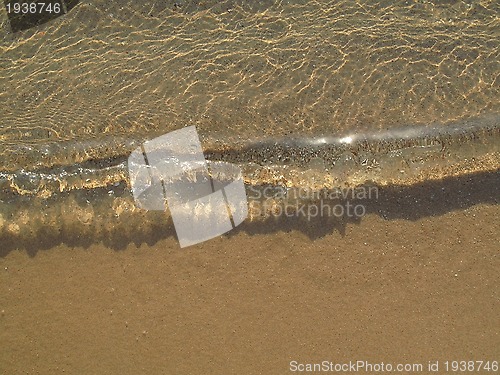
pixel 397 291
pixel 401 97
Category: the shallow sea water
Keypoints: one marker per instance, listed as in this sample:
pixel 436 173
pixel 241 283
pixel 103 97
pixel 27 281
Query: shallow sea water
pixel 310 99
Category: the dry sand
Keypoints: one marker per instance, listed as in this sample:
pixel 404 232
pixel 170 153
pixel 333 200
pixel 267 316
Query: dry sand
pixel 383 291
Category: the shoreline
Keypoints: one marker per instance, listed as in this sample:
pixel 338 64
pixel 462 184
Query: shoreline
pixel 403 156
pixel 82 218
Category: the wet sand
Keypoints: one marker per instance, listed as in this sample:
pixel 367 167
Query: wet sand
pixel 383 290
